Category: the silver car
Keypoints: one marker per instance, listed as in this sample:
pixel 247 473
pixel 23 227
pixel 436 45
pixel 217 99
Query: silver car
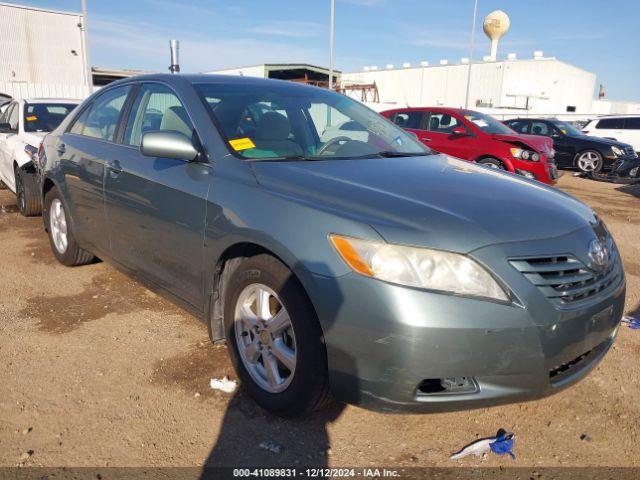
pixel 366 269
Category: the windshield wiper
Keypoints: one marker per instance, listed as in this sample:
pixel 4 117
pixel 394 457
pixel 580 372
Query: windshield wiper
pixel 391 154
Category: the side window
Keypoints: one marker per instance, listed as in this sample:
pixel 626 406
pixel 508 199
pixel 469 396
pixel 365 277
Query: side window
pixel 442 123
pixel 411 120
pixel 632 123
pixel 14 117
pixel 157 108
pixel 520 126
pixel 540 128
pixel 7 113
pixel 610 123
pixel 100 120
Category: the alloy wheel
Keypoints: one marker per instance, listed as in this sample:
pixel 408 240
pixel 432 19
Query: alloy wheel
pixel 589 161
pixel 58 226
pixel 265 338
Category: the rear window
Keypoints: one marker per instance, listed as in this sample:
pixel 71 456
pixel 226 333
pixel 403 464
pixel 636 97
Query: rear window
pixel 45 117
pixel 610 124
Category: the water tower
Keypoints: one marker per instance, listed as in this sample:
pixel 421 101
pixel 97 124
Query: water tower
pixel 495 26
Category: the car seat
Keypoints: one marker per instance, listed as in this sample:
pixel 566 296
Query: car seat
pixel 273 134
pixel 434 123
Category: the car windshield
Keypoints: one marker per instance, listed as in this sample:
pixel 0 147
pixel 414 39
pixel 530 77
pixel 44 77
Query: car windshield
pixel 45 117
pixel 487 123
pixel 285 121
pixel 566 128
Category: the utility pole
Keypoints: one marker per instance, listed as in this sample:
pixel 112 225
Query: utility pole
pixel 471 48
pixel 85 40
pixel 331 45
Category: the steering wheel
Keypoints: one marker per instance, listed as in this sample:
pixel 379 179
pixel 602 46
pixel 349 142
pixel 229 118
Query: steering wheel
pixel 332 142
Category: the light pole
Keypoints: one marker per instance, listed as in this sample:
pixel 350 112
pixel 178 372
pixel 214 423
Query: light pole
pixel 471 48
pixel 331 45
pixel 85 40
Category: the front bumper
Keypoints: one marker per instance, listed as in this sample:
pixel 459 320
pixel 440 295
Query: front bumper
pixel 383 340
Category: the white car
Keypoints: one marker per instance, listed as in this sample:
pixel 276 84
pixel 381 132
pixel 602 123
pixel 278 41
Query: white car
pixel 623 128
pixel 23 124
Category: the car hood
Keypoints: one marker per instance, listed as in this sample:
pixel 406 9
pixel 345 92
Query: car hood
pixel 432 201
pixel 33 138
pixel 600 141
pixel 538 143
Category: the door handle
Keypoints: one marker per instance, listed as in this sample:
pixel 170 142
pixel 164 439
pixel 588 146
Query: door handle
pixel 114 167
pixel 61 148
pixel 425 139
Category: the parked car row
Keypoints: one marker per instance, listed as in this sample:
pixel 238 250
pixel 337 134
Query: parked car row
pixel 479 138
pixel 338 255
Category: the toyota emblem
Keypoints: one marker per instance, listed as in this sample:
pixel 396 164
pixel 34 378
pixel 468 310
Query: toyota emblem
pixel 597 253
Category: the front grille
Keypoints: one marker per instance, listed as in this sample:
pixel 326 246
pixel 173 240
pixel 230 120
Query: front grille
pixel 561 372
pixel 564 279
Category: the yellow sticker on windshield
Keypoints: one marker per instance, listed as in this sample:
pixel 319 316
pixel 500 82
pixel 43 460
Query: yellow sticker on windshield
pixel 31 118
pixel 241 144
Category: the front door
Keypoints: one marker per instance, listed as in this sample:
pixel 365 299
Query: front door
pixel 9 121
pixel 440 128
pixel 156 206
pixel 562 144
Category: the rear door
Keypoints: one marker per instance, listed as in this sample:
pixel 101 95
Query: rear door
pixel 609 128
pixel 156 206
pixel 631 133
pixel 83 150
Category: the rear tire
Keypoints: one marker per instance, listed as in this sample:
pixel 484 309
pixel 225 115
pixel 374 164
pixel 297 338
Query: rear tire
pixel 60 230
pixel 27 194
pixel 304 386
pixel 492 162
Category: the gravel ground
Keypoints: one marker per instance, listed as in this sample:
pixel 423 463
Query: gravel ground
pixel 95 370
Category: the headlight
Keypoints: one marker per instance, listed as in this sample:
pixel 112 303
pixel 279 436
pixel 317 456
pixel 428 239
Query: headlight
pixel 418 267
pixel 618 152
pixel 525 154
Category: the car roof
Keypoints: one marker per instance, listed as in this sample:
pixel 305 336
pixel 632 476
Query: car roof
pixel 51 100
pixel 178 79
pixel 615 116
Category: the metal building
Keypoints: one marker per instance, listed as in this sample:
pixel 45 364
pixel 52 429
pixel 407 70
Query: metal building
pixel 540 84
pixel 296 72
pixel 42 53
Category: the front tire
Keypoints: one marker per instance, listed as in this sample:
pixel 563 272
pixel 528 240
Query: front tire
pixel 492 162
pixel 60 230
pixel 27 195
pixel 589 161
pixel 274 338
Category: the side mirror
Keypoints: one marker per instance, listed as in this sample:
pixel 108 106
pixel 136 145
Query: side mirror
pixel 459 132
pixel 5 128
pixel 168 144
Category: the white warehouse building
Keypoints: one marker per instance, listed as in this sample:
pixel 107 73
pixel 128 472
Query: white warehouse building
pixel 541 85
pixel 42 53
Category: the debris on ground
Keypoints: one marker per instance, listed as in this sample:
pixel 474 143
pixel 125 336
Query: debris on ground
pixel 27 430
pixel 632 322
pixel 26 455
pixel 585 437
pixel 273 447
pixel 224 384
pixel 501 444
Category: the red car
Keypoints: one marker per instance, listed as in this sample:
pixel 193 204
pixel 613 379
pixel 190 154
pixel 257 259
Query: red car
pixel 477 137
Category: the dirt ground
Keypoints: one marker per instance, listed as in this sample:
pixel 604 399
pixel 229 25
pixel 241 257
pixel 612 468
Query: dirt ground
pixel 95 370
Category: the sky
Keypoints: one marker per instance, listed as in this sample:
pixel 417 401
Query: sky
pixel 597 35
